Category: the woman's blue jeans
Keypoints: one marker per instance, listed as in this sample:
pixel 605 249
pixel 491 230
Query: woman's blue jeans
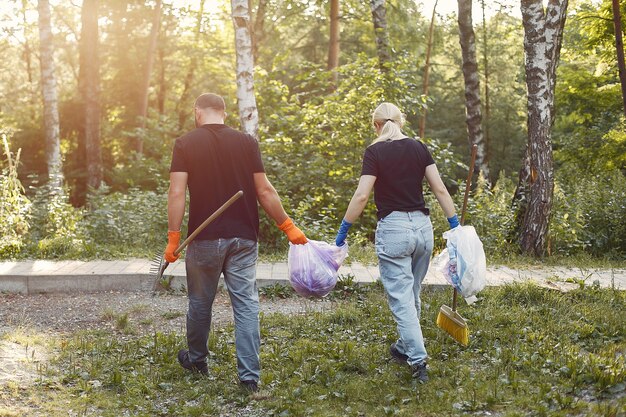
pixel 404 244
pixel 205 261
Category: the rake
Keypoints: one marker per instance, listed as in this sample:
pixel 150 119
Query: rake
pixel 159 264
pixel 448 319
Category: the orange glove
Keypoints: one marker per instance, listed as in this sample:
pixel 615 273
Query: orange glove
pixel 173 240
pixel 294 234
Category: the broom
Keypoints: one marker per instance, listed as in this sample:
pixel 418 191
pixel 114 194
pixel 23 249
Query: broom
pixel 448 319
pixel 159 263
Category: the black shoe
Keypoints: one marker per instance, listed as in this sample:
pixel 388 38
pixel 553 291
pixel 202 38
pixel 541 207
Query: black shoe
pixel 395 353
pixel 183 359
pixel 250 385
pixel 419 372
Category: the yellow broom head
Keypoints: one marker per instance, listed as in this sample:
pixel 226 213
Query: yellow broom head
pixel 453 324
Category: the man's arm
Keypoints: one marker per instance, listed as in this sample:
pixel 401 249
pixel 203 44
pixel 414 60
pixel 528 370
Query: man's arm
pixel 176 200
pixel 268 198
pixel 270 201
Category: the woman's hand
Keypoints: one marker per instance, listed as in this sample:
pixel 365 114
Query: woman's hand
pixel 340 240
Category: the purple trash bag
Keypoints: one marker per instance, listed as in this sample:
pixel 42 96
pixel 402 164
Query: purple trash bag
pixel 313 267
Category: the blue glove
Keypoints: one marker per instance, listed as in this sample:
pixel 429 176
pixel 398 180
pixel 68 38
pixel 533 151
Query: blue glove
pixel 340 240
pixel 453 221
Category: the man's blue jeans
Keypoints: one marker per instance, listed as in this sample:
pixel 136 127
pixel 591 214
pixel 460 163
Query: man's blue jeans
pixel 404 244
pixel 205 261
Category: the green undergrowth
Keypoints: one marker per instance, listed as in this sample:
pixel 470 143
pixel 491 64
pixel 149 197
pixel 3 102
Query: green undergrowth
pixel 532 352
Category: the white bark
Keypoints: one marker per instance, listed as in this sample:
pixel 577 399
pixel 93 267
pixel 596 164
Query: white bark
pixel 245 68
pixel 50 101
pixel 543 33
pixel 379 16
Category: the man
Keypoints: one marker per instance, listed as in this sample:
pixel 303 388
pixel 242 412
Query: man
pixel 215 161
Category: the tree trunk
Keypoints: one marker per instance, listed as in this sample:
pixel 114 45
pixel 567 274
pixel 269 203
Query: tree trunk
pixel 27 51
pixel 183 107
pixel 333 45
pixel 152 47
pixel 473 116
pixel 425 83
pixel 487 117
pixel 89 86
pixel 258 30
pixel 379 16
pixel 50 102
pixel 619 46
pixel 248 114
pixel 543 34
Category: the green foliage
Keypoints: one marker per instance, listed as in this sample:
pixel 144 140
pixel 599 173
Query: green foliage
pixel 321 363
pixel 14 206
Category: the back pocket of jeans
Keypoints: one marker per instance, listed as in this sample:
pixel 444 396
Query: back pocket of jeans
pixel 394 243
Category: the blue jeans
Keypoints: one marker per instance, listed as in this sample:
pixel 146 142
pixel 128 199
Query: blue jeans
pixel 404 244
pixel 205 261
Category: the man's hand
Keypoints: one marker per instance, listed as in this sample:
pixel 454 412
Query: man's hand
pixel 294 234
pixel 340 240
pixel 173 240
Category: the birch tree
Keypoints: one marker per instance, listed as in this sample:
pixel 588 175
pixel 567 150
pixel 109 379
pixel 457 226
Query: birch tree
pixel 619 47
pixel 379 16
pixel 89 86
pixel 50 101
pixel 543 35
pixel 149 64
pixel 248 114
pixel 473 115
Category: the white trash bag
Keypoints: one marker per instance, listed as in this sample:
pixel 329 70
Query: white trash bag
pixel 463 262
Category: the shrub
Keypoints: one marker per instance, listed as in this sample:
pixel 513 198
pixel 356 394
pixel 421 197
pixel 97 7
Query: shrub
pixel 14 207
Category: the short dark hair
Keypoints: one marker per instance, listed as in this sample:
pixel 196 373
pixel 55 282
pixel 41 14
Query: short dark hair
pixel 210 100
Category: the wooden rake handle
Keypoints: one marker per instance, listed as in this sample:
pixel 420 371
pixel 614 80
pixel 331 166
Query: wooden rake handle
pixel 468 185
pixel 205 223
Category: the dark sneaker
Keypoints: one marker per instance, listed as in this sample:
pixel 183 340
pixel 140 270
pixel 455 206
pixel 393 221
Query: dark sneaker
pixel 395 353
pixel 183 359
pixel 251 386
pixel 419 372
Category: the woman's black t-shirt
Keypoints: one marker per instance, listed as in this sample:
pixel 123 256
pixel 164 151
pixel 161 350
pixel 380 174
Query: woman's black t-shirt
pixel 399 167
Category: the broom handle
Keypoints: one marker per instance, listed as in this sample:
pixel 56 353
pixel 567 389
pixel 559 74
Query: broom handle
pixel 205 223
pixel 468 185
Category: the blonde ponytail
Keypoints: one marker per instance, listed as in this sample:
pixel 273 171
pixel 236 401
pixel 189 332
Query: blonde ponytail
pixel 391 119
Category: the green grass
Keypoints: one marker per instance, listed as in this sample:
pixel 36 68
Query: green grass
pixel 532 352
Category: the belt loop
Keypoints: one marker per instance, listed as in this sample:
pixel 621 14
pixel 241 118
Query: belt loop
pixel 409 213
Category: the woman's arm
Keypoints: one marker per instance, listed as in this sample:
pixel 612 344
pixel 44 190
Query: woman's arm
pixel 360 198
pixel 439 189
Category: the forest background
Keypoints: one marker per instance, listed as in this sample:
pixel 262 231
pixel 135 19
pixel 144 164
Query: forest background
pixel 151 59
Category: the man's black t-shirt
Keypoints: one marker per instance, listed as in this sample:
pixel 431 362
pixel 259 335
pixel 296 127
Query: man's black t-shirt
pixel 220 161
pixel 399 167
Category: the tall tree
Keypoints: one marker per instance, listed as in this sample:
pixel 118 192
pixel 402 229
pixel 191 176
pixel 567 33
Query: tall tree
pixel 183 105
pixel 258 29
pixel 487 117
pixel 333 45
pixel 89 86
pixel 50 101
pixel 619 46
pixel 27 51
pixel 473 115
pixel 379 16
pixel 248 114
pixel 149 64
pixel 425 82
pixel 543 35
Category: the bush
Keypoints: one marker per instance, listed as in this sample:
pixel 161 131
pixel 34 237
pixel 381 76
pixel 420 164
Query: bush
pixel 14 207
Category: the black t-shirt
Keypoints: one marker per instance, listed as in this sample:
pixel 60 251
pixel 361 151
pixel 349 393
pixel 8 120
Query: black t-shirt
pixel 399 167
pixel 220 161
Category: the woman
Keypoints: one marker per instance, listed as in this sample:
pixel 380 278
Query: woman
pixel 395 166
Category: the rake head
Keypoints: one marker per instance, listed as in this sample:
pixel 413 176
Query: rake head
pixel 157 268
